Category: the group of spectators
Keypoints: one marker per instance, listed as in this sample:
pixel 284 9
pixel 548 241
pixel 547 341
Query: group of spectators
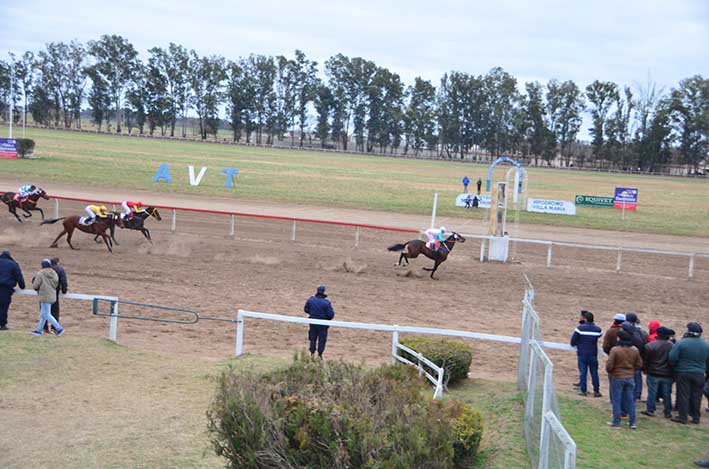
pixel 632 352
pixel 48 282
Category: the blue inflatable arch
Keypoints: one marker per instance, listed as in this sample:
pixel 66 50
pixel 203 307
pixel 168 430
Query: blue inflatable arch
pixel 504 159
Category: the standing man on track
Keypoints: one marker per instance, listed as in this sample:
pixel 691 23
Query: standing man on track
pixel 318 307
pixel 10 275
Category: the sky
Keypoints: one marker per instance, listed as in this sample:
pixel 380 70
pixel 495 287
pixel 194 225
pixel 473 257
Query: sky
pixel 625 41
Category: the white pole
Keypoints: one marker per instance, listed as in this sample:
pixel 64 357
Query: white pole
pixel 56 208
pixel 549 256
pixel 239 333
pixel 232 227
pixel 292 236
pixel 691 267
pixel 174 220
pixel 12 91
pixel 619 259
pixel 357 236
pixel 394 343
pixel 482 250
pixel 433 211
pixel 113 327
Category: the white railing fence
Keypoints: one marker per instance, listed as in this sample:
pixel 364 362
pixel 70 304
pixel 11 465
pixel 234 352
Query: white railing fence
pixel 548 443
pixel 419 365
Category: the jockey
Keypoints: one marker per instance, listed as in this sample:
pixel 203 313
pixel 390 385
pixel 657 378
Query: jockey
pixel 436 237
pixel 95 210
pixel 130 207
pixel 25 191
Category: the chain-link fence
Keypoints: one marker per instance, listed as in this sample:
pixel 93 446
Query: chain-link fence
pixel 549 445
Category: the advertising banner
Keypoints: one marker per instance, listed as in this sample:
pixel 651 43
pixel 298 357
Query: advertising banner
pixel 594 201
pixel 559 207
pixel 466 200
pixel 8 148
pixel 626 198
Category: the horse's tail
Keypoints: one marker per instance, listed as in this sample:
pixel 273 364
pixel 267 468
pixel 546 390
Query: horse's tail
pixel 396 247
pixel 52 221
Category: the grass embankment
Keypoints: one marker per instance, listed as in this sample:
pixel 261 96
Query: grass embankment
pixel 667 205
pixel 80 402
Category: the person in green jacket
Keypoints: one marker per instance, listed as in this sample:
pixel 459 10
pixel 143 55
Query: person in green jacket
pixel 690 361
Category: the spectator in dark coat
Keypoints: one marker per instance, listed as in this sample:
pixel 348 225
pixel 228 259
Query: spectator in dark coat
pixel 690 360
pixel 62 287
pixel 659 372
pixel 610 340
pixel 622 363
pixel 479 184
pixel 640 339
pixel 318 307
pixel 10 276
pixel 585 339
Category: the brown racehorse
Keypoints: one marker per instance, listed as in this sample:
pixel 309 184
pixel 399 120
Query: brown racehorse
pixel 412 249
pixel 28 205
pixel 98 228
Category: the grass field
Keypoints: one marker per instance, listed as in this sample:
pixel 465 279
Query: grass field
pixel 666 205
pixel 81 402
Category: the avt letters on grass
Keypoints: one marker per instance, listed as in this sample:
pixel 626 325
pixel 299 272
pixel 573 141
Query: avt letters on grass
pixel 163 173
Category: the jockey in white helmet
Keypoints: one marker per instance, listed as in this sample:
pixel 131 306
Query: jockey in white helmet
pixel 436 237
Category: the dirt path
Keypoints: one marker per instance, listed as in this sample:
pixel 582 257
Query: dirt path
pixel 410 221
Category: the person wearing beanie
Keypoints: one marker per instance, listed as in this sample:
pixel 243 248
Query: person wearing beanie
pixel 45 282
pixel 640 338
pixel 652 330
pixel 690 360
pixel 318 307
pixel 10 276
pixel 610 340
pixel 656 364
pixel 622 363
pixel 585 339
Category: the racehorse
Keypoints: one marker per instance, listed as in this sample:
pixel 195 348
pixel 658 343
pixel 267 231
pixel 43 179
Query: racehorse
pixel 97 228
pixel 28 205
pixel 412 249
pixel 136 223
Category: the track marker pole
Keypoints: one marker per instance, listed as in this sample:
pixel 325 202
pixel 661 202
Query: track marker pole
pixel 56 208
pixel 239 333
pixel 174 220
pixel 433 211
pixel 292 236
pixel 232 227
pixel 113 326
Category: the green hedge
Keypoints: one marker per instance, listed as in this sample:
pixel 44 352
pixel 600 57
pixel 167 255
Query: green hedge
pixel 25 147
pixel 337 415
pixel 453 355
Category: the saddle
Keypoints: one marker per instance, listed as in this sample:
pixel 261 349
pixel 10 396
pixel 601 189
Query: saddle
pixel 19 199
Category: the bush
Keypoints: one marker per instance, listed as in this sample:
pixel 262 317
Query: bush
pixel 453 355
pixel 25 147
pixel 336 415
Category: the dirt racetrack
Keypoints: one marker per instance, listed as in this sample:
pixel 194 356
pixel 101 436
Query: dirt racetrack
pixel 200 268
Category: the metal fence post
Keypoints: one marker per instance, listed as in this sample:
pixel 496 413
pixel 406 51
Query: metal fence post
pixel 113 324
pixel 691 267
pixel 545 430
pixel 439 385
pixel 619 260
pixel 549 256
pixel 174 220
pixel 56 208
pixel 232 227
pixel 292 236
pixel 482 250
pixel 239 333
pixel 394 345
pixel 357 236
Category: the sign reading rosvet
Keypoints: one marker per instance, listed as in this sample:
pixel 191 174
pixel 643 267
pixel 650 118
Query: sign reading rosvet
pixel 594 201
pixel 626 197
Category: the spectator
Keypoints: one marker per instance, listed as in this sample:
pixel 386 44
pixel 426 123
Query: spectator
pixel 45 282
pixel 706 392
pixel 690 360
pixel 639 341
pixel 479 184
pixel 10 275
pixel 476 202
pixel 652 328
pixel 468 201
pixel 704 462
pixel 62 287
pixel 622 363
pixel 610 340
pixel 659 372
pixel 585 339
pixel 466 181
pixel 318 307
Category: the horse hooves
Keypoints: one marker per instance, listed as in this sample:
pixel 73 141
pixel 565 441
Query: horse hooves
pixel 54 246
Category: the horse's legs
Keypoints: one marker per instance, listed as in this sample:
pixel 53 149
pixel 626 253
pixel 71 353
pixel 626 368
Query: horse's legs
pixel 13 210
pixel 107 240
pixel 433 271
pixel 70 232
pixel 113 235
pixel 41 212
pixel 146 233
pixel 54 244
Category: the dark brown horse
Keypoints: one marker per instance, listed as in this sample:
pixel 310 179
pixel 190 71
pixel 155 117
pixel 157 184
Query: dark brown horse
pixel 412 249
pixel 136 222
pixel 28 205
pixel 97 228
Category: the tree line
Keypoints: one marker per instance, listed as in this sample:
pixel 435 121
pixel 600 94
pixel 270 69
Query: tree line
pixel 353 101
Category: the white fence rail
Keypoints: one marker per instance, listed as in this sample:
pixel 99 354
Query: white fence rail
pixel 420 359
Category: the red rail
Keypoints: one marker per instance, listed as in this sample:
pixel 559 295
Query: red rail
pixel 250 215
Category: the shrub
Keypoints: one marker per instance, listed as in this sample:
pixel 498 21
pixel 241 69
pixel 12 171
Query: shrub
pixel 338 415
pixel 25 147
pixel 453 355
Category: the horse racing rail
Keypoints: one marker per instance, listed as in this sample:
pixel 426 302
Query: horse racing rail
pixel 358 227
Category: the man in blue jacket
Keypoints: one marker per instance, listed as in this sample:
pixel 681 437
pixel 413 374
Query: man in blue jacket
pixel 10 275
pixel 318 307
pixel 585 339
pixel 466 181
